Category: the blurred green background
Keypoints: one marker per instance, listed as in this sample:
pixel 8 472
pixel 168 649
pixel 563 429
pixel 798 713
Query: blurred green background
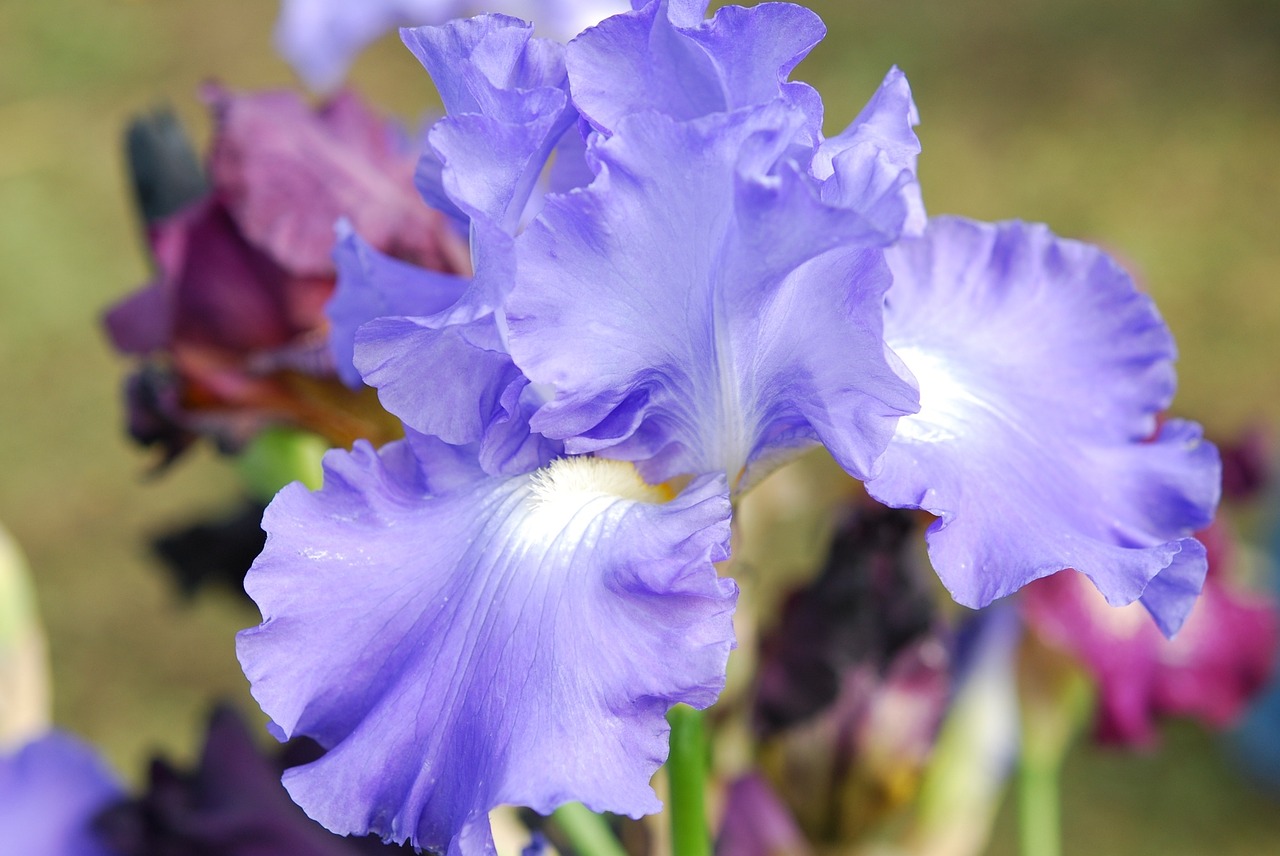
pixel 1150 127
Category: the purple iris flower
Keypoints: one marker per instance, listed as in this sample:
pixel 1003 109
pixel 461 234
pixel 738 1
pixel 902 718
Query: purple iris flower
pixel 50 790
pixel 320 38
pixel 678 280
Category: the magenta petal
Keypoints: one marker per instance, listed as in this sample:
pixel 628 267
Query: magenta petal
pixel 1219 660
pixel 287 173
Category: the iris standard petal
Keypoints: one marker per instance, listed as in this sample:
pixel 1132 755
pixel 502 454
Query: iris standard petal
pixel 699 309
pixel 504 641
pixel 665 57
pixel 450 375
pixel 871 165
pixel 506 95
pixel 1041 369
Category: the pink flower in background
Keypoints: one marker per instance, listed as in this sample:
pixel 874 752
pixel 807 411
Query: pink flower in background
pixel 1210 670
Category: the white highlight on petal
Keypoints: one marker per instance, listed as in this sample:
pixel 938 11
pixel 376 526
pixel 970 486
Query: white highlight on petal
pixel 942 399
pixel 566 487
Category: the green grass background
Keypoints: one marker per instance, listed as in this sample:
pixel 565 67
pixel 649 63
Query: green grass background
pixel 1152 127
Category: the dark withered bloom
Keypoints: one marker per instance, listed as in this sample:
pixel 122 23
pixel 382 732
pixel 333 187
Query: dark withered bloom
pixel 231 804
pixel 231 331
pixel 213 552
pixel 864 607
pixel 854 682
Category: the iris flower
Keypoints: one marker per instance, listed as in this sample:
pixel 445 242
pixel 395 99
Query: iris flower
pixel 679 283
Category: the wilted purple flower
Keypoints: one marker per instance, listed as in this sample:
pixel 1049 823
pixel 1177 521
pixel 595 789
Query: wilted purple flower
pixel 1219 661
pixel 757 823
pixel 1247 464
pixel 232 804
pixel 866 605
pixel 320 38
pixel 50 789
pixel 232 327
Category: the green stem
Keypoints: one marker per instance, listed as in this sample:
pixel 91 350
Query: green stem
pixel 1038 822
pixel 588 832
pixel 687 780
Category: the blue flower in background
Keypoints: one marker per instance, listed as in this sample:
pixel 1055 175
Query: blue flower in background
pixel 679 283
pixel 320 38
pixel 50 791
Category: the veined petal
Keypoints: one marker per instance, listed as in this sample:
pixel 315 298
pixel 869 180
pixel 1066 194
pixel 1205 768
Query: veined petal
pixel 699 309
pixel 665 57
pixel 508 640
pixel 372 285
pixel 1041 369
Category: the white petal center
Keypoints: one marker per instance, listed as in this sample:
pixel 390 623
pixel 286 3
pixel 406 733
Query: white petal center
pixel 565 488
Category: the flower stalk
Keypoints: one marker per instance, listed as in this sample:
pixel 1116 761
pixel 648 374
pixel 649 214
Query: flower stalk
pixel 588 832
pixel 687 782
